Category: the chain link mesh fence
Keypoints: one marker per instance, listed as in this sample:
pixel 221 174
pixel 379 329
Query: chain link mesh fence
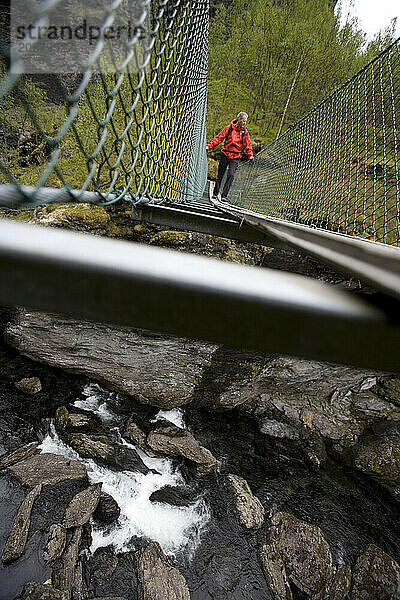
pixel 338 167
pixel 133 132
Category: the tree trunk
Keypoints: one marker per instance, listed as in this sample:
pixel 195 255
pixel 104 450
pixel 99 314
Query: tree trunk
pixel 290 94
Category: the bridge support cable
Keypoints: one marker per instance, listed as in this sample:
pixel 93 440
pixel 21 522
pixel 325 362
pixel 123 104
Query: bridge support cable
pixel 371 262
pixel 246 307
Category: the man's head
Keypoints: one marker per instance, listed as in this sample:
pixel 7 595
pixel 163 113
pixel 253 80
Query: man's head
pixel 241 119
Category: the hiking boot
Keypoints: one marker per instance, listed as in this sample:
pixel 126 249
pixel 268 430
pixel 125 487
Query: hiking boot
pixel 223 199
pixel 214 197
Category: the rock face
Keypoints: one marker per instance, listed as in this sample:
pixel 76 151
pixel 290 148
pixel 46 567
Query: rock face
pixel 157 577
pixel 329 407
pixel 249 509
pixel 297 553
pixel 47 469
pixel 18 455
pixel 107 510
pixel 103 449
pixel 170 439
pixel 29 385
pixel 16 541
pixel 82 506
pixel 376 576
pixel 122 358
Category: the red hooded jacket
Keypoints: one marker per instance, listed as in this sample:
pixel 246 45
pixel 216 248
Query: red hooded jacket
pixel 233 144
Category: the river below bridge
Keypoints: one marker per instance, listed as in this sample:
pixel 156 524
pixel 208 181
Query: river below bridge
pixel 217 557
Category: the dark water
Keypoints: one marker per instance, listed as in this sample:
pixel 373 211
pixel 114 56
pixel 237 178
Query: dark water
pixel 350 509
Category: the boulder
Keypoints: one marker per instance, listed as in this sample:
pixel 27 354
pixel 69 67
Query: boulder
pixel 379 457
pixel 120 357
pixel 47 469
pixel 176 496
pixel 107 510
pixel 67 575
pixel 77 420
pixel 103 449
pixel 171 439
pixel 18 455
pixel 39 591
pixel 82 506
pixel 157 577
pixel 138 437
pixel 29 385
pixel 248 508
pixel 55 543
pixel 274 572
pixel 376 576
pixel 341 583
pixel 61 418
pixel 305 554
pixel 16 541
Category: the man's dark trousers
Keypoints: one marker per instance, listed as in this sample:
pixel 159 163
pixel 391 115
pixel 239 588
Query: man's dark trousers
pixel 232 164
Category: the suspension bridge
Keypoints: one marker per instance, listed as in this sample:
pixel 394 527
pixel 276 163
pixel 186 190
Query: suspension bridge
pixel 329 187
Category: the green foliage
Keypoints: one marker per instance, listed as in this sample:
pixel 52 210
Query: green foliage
pixel 258 50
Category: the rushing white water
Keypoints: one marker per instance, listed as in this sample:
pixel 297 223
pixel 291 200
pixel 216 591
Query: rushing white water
pixel 175 416
pixel 95 402
pixel 175 528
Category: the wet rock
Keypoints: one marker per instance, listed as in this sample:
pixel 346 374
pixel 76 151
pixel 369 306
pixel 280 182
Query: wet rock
pixel 107 510
pixel 101 568
pixel 65 576
pixel 376 576
pixel 47 469
pixel 305 554
pixel 18 455
pixel 170 439
pixel 61 418
pixel 248 508
pixel 55 543
pixel 157 577
pixel 335 402
pixel 82 506
pixel 379 457
pixel 280 430
pixel 137 436
pixel 176 496
pixel 16 541
pixel 122 358
pixel 275 572
pixel 38 591
pixel 29 385
pixel 103 449
pixel 76 420
pixel 341 583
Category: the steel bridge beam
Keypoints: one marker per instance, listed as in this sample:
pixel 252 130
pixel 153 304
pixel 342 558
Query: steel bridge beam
pixel 372 262
pixel 203 219
pixel 177 293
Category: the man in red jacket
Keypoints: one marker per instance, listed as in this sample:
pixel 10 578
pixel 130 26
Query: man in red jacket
pixel 235 135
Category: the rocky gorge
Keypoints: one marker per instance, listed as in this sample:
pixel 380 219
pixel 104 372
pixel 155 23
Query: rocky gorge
pixel 142 466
